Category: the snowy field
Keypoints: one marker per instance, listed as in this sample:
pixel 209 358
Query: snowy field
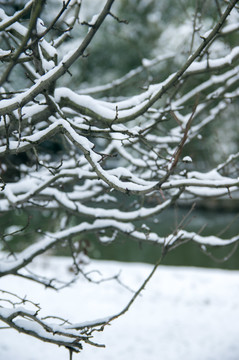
pixel 184 313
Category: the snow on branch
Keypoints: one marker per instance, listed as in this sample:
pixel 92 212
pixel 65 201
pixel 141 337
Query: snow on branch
pixel 29 322
pixel 95 150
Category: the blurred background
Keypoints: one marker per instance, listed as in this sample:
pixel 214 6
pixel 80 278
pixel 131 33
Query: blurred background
pixel 149 29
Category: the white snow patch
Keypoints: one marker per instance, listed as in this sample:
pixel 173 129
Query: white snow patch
pixel 184 313
pixel 187 159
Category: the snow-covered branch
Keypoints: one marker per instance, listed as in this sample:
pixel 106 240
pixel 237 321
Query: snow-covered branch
pixel 103 154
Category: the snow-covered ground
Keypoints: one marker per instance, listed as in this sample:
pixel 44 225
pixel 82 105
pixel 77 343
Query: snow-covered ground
pixel 184 313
